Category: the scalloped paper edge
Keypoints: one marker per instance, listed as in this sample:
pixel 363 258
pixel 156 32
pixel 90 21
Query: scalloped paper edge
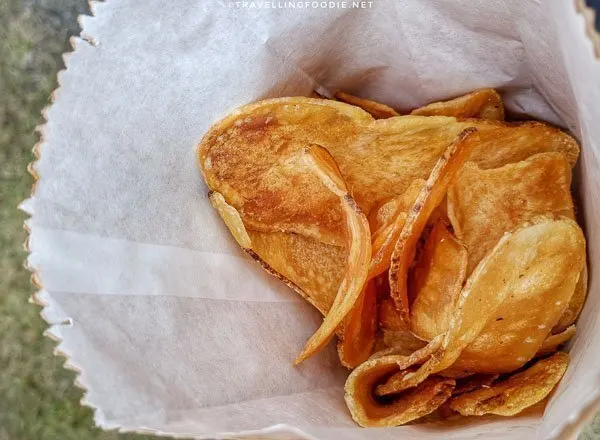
pixel 569 430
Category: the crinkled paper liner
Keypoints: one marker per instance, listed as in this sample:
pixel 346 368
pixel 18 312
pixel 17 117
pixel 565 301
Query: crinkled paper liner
pixel 574 425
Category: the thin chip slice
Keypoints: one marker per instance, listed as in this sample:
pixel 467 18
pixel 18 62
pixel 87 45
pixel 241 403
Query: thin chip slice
pixel 484 204
pixel 553 342
pixel 369 411
pixel 384 215
pixel 430 197
pixel 532 262
pixel 358 249
pixel 357 335
pixel 521 390
pixel 435 283
pixel 575 304
pixel 484 104
pixel 243 157
pixel 374 108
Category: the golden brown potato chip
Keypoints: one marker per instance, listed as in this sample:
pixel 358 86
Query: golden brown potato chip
pixel 313 269
pixel 435 283
pixel 243 157
pixel 535 263
pixel 357 335
pixel 484 104
pixel 521 390
pixel 384 215
pixel 369 411
pixel 501 143
pixel 484 204
pixel 358 248
pixel 389 318
pixel 430 197
pixel 317 161
pixel 575 304
pixel 552 342
pixel 374 108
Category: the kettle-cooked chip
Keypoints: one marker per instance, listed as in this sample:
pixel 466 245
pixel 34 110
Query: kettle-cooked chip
pixel 575 304
pixel 552 342
pixel 374 108
pixel 317 161
pixel 484 104
pixel 484 204
pixel 435 283
pixel 512 395
pixel 534 261
pixel 311 268
pixel 359 330
pixel 430 197
pixel 369 411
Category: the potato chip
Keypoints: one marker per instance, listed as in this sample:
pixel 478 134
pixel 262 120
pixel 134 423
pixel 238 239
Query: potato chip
pixel 519 391
pixel 484 204
pixel 400 342
pixel 515 334
pixel 575 304
pixel 384 215
pixel 358 249
pixel 357 335
pixel 316 160
pixel 536 261
pixel 484 104
pixel 430 197
pixel 552 342
pixel 243 157
pixel 374 108
pixel 369 411
pixel 435 283
pixel 501 143
pixel 313 269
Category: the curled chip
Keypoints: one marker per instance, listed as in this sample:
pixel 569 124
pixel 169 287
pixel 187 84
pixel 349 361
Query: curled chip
pixel 317 161
pixel 484 204
pixel 575 304
pixel 358 248
pixel 519 391
pixel 358 333
pixel 484 104
pixel 430 197
pixel 374 108
pixel 552 342
pixel 369 411
pixel 532 262
pixel 435 283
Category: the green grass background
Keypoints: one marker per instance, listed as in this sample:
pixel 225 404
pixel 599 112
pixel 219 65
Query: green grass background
pixel 38 400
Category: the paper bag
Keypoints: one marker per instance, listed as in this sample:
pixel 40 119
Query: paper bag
pixel 171 328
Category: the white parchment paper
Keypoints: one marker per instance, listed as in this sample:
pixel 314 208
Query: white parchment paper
pixel 171 328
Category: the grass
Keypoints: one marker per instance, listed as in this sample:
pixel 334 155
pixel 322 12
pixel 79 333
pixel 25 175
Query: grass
pixel 38 400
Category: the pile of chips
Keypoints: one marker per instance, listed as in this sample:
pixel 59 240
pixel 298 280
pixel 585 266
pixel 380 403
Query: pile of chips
pixel 441 247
